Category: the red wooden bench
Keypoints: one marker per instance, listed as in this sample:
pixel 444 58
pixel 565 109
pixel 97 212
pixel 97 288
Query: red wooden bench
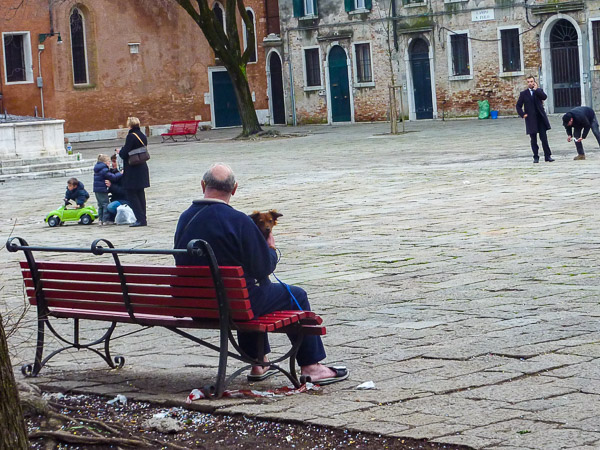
pixel 187 128
pixel 176 298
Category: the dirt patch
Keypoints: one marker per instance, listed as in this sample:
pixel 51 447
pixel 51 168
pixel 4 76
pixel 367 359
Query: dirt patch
pixel 85 417
pixel 268 134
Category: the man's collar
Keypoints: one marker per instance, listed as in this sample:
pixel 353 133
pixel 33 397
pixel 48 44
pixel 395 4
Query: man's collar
pixel 210 200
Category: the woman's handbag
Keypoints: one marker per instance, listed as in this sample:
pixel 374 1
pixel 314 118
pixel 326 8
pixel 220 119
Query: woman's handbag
pixel 139 155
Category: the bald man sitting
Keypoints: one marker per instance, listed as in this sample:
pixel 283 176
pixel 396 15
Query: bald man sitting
pixel 237 241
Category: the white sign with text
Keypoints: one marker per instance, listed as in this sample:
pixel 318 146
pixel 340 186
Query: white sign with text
pixel 482 14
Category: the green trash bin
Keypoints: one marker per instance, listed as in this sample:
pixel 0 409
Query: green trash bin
pixel 484 109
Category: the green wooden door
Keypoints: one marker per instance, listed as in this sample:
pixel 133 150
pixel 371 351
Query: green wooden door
pixel 339 85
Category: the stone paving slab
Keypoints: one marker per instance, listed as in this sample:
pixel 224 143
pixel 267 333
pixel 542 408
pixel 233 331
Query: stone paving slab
pixel 458 276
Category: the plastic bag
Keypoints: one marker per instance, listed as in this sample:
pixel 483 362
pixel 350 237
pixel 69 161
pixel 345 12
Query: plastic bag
pixel 125 215
pixel 484 109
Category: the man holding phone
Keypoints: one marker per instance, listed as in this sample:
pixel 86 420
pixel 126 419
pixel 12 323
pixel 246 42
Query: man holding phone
pixel 530 107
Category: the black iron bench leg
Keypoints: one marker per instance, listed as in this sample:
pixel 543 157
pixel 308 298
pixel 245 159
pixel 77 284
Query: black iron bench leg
pixel 30 370
pixel 223 354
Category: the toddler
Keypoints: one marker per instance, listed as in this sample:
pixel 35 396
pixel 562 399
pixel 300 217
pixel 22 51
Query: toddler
pixel 101 174
pixel 77 192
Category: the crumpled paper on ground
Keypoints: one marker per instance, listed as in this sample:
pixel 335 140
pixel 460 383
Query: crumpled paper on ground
pixel 198 394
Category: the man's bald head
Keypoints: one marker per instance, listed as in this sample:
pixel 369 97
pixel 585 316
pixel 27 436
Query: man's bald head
pixel 219 177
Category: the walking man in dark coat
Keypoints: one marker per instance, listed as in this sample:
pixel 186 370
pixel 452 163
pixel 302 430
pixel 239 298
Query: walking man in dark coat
pixel 530 107
pixel 578 123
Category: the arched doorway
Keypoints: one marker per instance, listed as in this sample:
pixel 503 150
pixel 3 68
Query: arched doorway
pixel 421 77
pixel 564 54
pixel 339 87
pixel 276 84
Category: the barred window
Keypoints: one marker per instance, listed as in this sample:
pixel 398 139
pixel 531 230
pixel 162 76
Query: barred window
pixel 511 50
pixel 313 67
pixel 596 38
pixel 460 54
pixel 78 49
pixel 220 15
pixel 364 73
pixel 247 37
pixel 14 57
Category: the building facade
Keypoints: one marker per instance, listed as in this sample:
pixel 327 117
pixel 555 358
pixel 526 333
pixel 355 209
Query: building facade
pixel 94 63
pixel 446 55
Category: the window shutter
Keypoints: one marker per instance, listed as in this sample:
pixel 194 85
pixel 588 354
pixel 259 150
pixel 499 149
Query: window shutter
pixel 369 4
pixel 315 7
pixel 349 4
pixel 298 8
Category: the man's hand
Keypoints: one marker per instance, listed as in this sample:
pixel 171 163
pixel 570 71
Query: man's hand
pixel 271 241
pixel 570 138
pixel 524 116
pixel 579 140
pixel 535 85
pixel 107 183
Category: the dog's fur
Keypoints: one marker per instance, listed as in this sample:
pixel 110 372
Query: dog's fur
pixel 265 221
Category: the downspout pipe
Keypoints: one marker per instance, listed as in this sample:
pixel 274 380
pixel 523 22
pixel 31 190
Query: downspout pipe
pixel 292 90
pixel 40 77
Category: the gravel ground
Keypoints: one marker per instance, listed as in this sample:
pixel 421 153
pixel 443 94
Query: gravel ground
pixel 197 430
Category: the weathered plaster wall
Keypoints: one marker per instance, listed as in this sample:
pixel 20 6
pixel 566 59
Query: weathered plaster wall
pixel 165 81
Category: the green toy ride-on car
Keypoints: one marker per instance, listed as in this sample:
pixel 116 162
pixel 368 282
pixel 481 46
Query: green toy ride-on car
pixel 84 216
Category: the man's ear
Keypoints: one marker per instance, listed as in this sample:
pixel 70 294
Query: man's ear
pixel 234 189
pixel 203 184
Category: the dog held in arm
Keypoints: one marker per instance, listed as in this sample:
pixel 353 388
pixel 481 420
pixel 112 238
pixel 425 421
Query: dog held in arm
pixel 265 221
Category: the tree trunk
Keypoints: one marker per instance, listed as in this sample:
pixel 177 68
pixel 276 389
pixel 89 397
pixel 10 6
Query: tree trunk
pixel 13 433
pixel 243 95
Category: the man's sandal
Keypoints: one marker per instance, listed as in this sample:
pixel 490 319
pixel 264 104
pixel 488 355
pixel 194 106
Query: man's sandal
pixel 267 374
pixel 341 373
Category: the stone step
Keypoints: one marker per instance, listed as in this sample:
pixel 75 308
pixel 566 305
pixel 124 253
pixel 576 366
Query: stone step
pixel 45 167
pixel 67 165
pixel 64 172
pixel 43 160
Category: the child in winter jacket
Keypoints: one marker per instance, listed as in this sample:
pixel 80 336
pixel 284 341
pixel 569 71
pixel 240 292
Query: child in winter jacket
pixel 77 192
pixel 101 174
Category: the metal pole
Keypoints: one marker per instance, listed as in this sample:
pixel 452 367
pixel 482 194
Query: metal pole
pixel 402 110
pixel 393 117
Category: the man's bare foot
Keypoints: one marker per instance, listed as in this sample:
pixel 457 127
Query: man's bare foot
pixel 259 370
pixel 317 372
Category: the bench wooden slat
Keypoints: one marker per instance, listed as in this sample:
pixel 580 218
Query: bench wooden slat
pixel 138 289
pixel 175 302
pixel 189 271
pixel 141 309
pixel 147 319
pixel 171 280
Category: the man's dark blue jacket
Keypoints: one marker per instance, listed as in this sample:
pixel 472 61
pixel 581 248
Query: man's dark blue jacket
pixel 234 238
pixel 583 116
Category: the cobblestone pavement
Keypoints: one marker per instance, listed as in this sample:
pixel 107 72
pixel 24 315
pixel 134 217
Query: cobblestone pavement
pixel 458 276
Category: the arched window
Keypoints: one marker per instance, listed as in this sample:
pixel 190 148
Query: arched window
pixel 78 48
pixel 220 15
pixel 250 13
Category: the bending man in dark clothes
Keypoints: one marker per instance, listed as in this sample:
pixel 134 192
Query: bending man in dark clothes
pixel 237 241
pixel 578 123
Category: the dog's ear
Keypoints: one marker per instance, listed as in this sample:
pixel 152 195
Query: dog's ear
pixel 274 214
pixel 254 215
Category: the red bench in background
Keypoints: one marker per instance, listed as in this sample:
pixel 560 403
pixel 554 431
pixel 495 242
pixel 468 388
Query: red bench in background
pixel 187 128
pixel 175 298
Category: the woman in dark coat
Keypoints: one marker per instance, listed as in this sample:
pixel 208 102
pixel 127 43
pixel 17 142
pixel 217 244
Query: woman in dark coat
pixel 135 178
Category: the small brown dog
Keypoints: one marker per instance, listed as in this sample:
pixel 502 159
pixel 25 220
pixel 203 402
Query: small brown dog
pixel 265 221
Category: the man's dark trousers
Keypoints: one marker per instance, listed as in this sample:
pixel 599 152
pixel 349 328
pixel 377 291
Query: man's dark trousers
pixel 543 138
pixel 311 350
pixel 596 130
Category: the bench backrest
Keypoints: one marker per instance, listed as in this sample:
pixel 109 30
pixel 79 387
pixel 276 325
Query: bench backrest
pixel 184 127
pixel 184 291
